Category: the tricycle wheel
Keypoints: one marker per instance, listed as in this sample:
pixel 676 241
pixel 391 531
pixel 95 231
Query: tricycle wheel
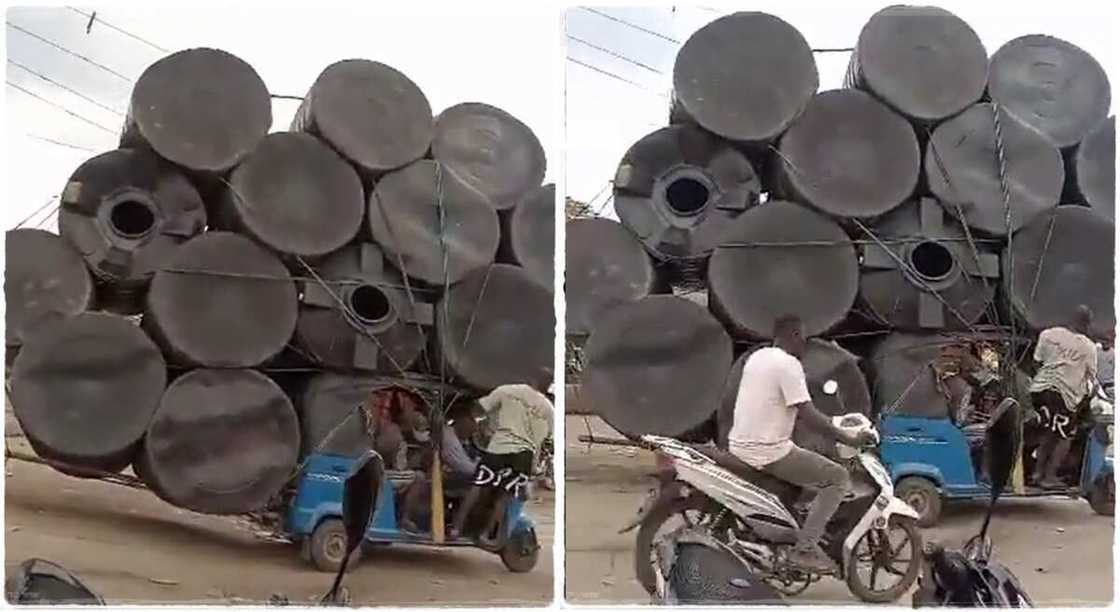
pixel 328 546
pixel 921 495
pixel 895 550
pixel 1102 497
pixel 520 553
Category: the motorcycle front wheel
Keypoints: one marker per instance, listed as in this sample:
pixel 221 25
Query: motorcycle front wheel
pixel 671 515
pixel 896 551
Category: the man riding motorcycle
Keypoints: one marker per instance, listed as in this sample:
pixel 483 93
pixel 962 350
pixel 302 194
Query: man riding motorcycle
pixel 772 393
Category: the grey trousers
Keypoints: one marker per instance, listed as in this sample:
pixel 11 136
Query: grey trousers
pixel 809 470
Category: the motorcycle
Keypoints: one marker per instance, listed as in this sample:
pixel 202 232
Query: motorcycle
pixel 756 518
pixel 972 577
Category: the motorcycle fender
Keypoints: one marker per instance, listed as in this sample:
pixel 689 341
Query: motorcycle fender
pixel 897 506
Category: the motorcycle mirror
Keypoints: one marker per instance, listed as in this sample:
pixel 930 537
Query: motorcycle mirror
pixel 830 387
pixel 1004 439
pixel 359 500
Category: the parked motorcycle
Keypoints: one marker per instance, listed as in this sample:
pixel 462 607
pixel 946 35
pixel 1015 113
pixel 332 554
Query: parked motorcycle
pixel 972 577
pixel 756 518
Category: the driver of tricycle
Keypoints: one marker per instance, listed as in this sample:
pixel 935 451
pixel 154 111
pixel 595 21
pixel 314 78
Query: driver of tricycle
pixel 458 465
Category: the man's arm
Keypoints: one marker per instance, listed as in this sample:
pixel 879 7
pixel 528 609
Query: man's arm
pixel 454 456
pixel 821 424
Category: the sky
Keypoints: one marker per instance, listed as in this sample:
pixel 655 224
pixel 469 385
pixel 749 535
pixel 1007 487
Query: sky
pixel 497 55
pixel 606 113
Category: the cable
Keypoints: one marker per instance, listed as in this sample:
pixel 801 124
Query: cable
pixel 94 17
pixel 280 97
pixel 615 54
pixel 631 25
pixel 68 51
pixel 64 87
pixel 62 108
pixel 37 211
pixel 61 143
pixel 616 77
pixel 834 50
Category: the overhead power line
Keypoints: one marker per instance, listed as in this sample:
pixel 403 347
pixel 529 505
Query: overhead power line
pixel 61 143
pixel 94 17
pixel 835 50
pixel 615 54
pixel 616 77
pixel 34 214
pixel 69 52
pixel 62 108
pixel 631 25
pixel 64 87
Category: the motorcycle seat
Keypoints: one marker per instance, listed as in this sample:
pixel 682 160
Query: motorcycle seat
pixel 784 490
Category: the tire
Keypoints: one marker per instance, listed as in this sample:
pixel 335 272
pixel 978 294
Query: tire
pixel 1102 497
pixel 643 544
pixel 923 496
pixel 866 592
pixel 521 552
pixel 328 546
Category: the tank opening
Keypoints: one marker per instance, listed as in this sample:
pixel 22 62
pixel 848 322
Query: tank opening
pixel 131 219
pixel 370 304
pixel 932 261
pixel 687 196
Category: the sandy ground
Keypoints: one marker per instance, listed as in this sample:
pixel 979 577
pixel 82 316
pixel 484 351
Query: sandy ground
pixel 130 547
pixel 1061 550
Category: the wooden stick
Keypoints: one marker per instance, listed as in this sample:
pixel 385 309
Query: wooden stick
pixel 437 500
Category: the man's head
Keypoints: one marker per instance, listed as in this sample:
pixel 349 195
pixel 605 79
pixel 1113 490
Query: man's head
pixel 464 419
pixel 789 334
pixel 1082 319
pixel 542 381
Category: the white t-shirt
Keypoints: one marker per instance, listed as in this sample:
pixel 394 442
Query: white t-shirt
pixel 773 383
pixel 1068 364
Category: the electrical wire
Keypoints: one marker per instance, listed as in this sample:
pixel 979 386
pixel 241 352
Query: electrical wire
pixel 62 108
pixel 34 214
pixel 615 76
pixel 631 25
pixel 65 88
pixel 68 51
pixel 94 17
pixel 61 143
pixel 615 54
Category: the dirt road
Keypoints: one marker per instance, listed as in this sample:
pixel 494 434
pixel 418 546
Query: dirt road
pixel 1060 550
pixel 131 547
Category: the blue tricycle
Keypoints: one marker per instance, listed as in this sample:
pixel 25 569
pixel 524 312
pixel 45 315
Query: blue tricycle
pixel 314 519
pixel 933 459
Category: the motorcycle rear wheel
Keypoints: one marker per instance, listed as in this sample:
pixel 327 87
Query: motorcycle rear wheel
pixel 867 592
pixel 644 569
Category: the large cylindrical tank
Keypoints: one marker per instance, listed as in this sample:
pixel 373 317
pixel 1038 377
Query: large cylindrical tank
pixel 782 258
pixel 332 411
pixel 605 266
pixel 677 188
pixel 126 211
pixel 44 276
pixel 903 380
pixel 529 234
pixel 404 217
pixel 963 171
pixel 221 441
pixel 372 114
pixel 294 195
pixel 745 77
pixel 923 61
pixel 203 109
pixel 1094 169
pixel 491 150
pixel 656 366
pixel 85 387
pixel 361 317
pixel 496 327
pixel 923 273
pixel 1061 260
pixel 849 155
pixel 822 361
pixel 222 300
pixel 1051 85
